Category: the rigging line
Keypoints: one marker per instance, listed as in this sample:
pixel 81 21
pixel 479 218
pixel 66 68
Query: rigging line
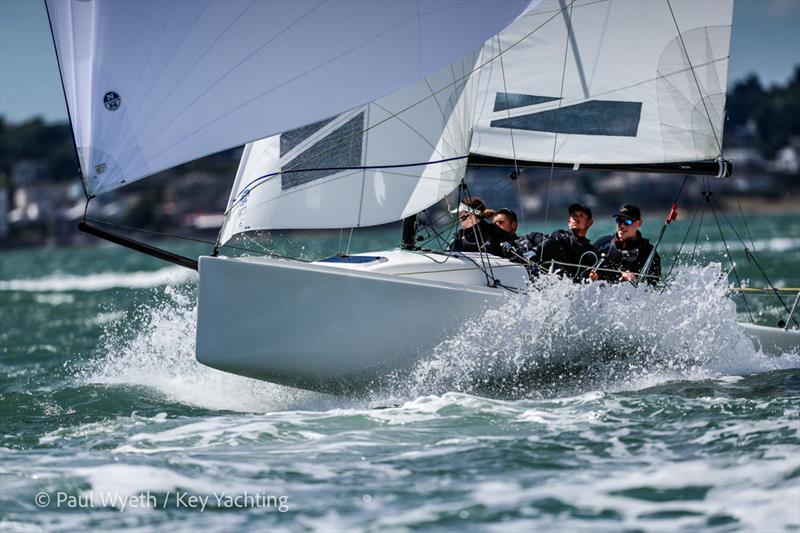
pixel 677 255
pixel 429 226
pixel 744 218
pixel 733 264
pixel 501 190
pixel 476 232
pixel 296 77
pixel 511 131
pixel 752 258
pixel 348 242
pixel 441 241
pixel 757 290
pixel 706 200
pixel 192 239
pixel 433 94
pixel 568 22
pixel 601 269
pixel 670 217
pixel 251 185
pixel 696 81
pixel 479 241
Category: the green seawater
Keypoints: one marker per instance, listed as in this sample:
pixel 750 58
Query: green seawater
pixel 670 422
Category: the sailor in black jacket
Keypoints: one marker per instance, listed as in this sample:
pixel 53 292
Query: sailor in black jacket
pixel 626 251
pixel 568 251
pixel 475 234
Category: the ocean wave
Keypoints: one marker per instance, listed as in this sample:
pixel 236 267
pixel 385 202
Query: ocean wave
pixel 102 281
pixel 559 339
pixel 159 354
pixel 564 338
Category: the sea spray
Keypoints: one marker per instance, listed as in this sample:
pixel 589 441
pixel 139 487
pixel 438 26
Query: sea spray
pixel 154 347
pixel 563 338
pixel 558 339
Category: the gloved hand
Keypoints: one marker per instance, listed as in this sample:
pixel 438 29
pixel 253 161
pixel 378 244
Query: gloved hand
pixel 530 256
pixel 507 246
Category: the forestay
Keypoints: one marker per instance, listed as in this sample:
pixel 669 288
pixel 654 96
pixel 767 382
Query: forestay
pixel 607 81
pixel 150 85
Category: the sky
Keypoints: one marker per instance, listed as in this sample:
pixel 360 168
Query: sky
pixel 766 41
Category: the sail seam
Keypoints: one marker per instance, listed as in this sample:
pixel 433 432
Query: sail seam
pixel 694 75
pixel 448 86
pixel 294 78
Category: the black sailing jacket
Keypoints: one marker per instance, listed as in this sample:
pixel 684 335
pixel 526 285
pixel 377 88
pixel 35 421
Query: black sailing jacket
pixel 630 254
pixel 482 237
pixel 561 246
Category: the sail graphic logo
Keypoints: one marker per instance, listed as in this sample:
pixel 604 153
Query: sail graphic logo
pixel 112 101
pixel 592 117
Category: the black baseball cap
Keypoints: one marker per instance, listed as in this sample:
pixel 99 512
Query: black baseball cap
pixel 580 207
pixel 629 211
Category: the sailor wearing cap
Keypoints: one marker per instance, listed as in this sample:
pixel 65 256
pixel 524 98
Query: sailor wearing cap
pixel 626 251
pixel 475 234
pixel 568 251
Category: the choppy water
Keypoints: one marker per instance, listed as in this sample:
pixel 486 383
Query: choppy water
pixel 628 409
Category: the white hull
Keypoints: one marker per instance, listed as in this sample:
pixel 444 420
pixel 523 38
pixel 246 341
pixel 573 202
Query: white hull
pixel 774 341
pixel 335 327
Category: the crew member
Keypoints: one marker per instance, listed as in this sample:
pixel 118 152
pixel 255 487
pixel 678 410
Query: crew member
pixel 626 251
pixel 475 234
pixel 507 220
pixel 568 251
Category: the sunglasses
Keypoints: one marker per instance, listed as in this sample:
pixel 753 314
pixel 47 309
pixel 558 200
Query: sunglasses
pixel 625 221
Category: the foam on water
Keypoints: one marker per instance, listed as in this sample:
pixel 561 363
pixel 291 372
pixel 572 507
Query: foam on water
pixel 157 351
pixel 559 339
pixel 102 281
pixel 563 337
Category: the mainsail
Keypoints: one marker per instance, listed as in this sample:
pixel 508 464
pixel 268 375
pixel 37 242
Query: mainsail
pixel 607 82
pixel 578 83
pixel 150 84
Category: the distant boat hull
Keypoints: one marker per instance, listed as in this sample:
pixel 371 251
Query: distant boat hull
pixel 336 327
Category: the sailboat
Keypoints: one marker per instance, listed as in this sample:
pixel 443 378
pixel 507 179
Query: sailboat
pixel 351 125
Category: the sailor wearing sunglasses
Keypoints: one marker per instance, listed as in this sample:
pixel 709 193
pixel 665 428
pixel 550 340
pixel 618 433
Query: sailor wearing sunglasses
pixel 475 234
pixel 626 251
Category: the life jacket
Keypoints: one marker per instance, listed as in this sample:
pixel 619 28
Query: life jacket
pixel 630 254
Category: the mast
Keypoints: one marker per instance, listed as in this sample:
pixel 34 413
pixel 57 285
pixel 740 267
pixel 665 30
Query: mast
pixel 409 238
